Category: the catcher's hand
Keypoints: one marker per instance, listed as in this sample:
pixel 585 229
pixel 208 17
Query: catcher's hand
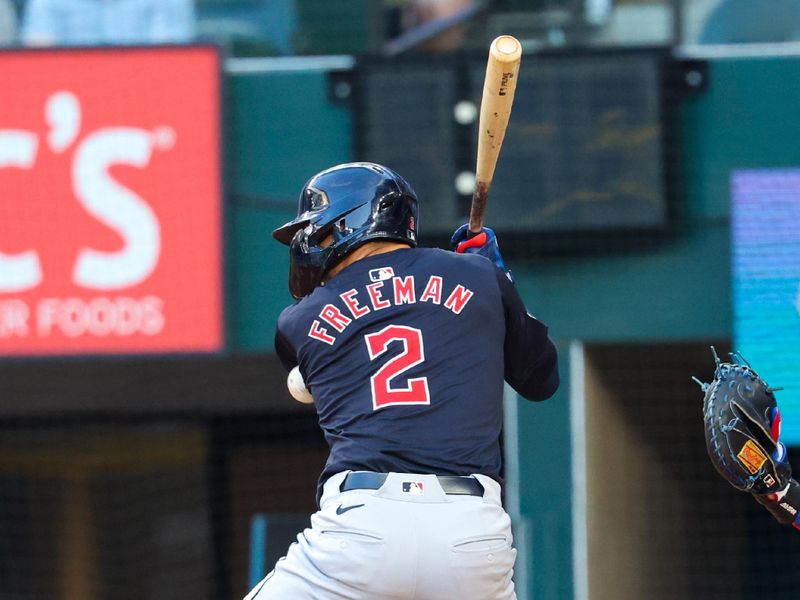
pixel 742 430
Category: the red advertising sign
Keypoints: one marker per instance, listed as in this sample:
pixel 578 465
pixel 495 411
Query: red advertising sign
pixel 110 201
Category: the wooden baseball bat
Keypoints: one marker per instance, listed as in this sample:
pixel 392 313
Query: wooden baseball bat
pixel 498 96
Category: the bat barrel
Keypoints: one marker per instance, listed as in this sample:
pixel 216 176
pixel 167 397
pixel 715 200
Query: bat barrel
pixel 499 85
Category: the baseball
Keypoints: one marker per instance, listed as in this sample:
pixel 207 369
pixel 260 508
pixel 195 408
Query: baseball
pixel 297 387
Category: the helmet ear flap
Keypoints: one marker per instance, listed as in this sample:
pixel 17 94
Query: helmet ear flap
pixel 307 260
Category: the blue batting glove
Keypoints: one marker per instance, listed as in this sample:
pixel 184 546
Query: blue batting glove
pixel 484 243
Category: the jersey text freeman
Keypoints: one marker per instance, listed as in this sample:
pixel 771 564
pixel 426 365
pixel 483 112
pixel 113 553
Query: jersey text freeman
pixel 376 296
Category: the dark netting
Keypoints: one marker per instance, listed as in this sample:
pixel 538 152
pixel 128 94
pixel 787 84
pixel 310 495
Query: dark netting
pixel 149 506
pixel 677 529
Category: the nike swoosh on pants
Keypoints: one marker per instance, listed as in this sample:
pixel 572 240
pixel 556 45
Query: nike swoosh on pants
pixel 343 509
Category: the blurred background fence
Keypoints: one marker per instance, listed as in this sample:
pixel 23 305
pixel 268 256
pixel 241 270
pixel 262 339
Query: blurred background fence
pixel 646 200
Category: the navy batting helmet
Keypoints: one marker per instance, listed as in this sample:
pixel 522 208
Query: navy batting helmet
pixel 354 202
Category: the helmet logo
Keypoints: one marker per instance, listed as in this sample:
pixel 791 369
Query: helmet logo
pixel 411 232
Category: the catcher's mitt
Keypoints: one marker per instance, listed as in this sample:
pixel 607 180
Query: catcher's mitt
pixel 742 427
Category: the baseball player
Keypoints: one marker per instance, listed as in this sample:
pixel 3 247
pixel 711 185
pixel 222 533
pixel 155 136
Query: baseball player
pixel 404 351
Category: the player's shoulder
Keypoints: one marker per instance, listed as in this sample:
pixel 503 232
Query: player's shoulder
pixel 477 273
pixel 450 258
pixel 286 316
pixel 293 314
pixel 474 267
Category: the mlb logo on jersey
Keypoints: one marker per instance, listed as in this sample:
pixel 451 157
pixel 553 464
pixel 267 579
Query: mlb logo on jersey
pixel 381 274
pixel 413 487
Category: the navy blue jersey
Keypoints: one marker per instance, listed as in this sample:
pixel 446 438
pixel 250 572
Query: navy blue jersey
pixel 405 353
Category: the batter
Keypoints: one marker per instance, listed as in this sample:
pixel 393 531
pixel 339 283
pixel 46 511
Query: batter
pixel 404 351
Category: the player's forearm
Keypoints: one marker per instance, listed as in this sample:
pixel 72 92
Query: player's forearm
pixel 784 505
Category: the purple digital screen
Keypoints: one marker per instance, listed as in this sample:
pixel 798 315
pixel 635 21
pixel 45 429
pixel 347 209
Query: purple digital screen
pixel 765 215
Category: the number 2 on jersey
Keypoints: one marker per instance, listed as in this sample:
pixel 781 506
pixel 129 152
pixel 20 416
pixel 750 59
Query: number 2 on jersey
pixel 383 393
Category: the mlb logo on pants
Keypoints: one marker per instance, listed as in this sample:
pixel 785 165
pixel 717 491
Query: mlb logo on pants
pixel 413 487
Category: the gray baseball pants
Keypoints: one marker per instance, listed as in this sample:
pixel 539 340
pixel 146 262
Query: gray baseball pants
pixel 407 540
